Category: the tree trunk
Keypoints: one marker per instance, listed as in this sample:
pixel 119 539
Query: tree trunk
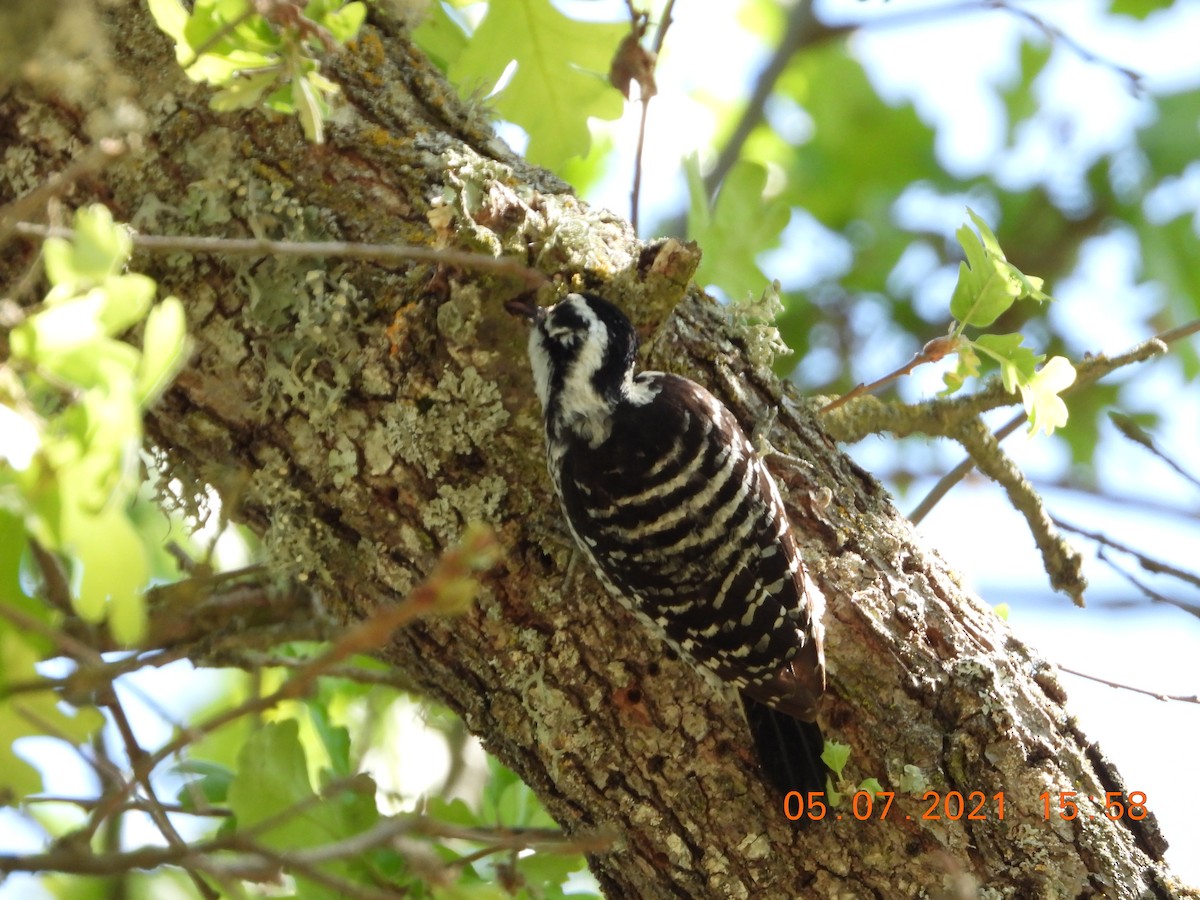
pixel 358 415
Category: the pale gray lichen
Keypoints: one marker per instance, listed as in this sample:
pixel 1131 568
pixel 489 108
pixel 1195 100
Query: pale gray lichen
pixel 295 539
pixel 458 317
pixel 464 412
pixel 312 356
pixel 343 461
pixel 20 170
pixel 454 506
pixel 376 453
pixel 753 321
pixel 382 561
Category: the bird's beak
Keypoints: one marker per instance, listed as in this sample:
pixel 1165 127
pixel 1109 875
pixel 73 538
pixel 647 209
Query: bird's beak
pixel 526 309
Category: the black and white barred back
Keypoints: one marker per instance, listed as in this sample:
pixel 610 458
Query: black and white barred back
pixel 682 522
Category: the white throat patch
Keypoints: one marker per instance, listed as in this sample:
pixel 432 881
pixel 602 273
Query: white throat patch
pixel 580 408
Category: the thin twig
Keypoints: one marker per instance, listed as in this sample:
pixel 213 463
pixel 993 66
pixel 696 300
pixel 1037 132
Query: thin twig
pixel 934 351
pixel 93 159
pixel 1180 698
pixel 635 196
pixel 153 808
pixel 959 472
pixel 478 551
pixel 1146 562
pixel 1154 595
pixel 135 804
pixel 1131 431
pixel 342 249
pixel 643 72
pixel 1088 371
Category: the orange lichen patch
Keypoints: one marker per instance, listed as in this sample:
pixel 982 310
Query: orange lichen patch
pixel 398 331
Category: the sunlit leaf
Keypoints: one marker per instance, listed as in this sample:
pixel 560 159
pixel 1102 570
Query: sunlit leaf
pixel 1040 394
pixel 98 249
pixel 114 568
pixel 560 80
pixel 741 224
pixel 163 350
pixel 344 23
pixel 1017 363
pixel 28 714
pixel 442 38
pixel 1138 9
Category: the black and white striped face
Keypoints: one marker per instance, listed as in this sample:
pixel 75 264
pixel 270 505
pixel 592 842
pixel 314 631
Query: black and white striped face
pixel 582 351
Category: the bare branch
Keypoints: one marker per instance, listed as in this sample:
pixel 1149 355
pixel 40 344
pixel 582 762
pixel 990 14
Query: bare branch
pixel 1149 563
pixel 343 249
pixel 1087 371
pixel 1181 698
pixel 1062 562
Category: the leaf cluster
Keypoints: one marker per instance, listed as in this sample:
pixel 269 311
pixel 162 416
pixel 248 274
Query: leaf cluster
pixel 72 394
pixel 260 61
pixel 988 286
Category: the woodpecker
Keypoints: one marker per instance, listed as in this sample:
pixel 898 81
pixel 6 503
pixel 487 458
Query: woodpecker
pixel 680 519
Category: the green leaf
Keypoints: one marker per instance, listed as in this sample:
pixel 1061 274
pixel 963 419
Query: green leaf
pixel 310 108
pixel 212 785
pixel 549 870
pixel 272 776
pixel 836 174
pixel 126 300
pixel 1046 409
pixel 560 79
pixel 99 249
pixel 1017 363
pixel 334 738
pixel 114 568
pixel 871 785
pixel 987 283
pixel 244 46
pixel 699 213
pixel 1020 100
pixel 1169 141
pixel 442 38
pixel 171 19
pixel 164 346
pixel 25 714
pixel 1169 254
pixel 836 756
pixel 452 812
pixel 272 783
pixel 509 802
pixel 245 90
pixel 344 23
pixel 97 450
pixel 741 224
pixel 1138 9
pixel 968 367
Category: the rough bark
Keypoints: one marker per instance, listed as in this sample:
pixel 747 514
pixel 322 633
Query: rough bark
pixel 358 415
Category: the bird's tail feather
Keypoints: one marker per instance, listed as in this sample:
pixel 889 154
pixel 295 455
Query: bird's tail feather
pixel 788 749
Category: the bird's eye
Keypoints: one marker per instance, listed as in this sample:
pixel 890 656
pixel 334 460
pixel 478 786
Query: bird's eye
pixel 565 325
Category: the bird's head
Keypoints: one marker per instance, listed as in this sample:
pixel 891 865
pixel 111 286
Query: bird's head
pixel 582 351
